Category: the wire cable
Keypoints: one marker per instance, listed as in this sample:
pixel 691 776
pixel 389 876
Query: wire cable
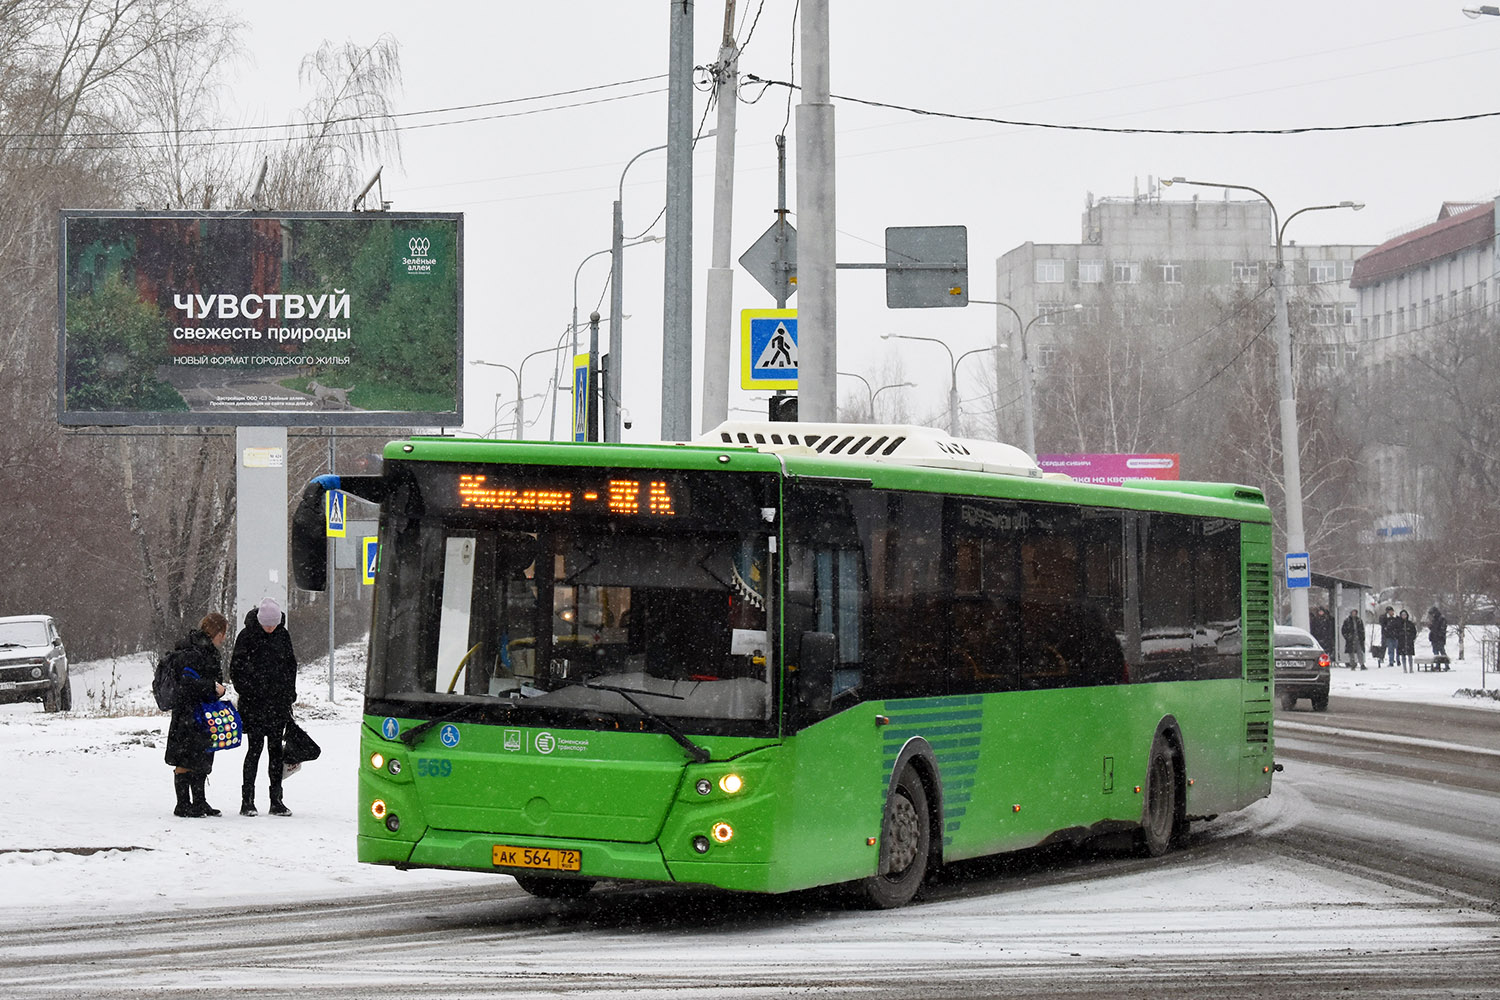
pixel 1117 130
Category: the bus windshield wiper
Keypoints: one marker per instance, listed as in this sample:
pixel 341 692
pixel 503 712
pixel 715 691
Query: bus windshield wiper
pixel 699 754
pixel 411 736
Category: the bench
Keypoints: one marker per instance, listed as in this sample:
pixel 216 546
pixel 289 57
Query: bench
pixel 1432 663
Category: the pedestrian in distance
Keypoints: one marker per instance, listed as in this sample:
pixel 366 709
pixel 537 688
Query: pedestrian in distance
pixel 1390 636
pixel 1321 627
pixel 263 668
pixel 1353 631
pixel 197 663
pixel 1437 632
pixel 1408 641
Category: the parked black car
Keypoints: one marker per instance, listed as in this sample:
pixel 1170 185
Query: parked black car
pixel 1302 668
pixel 33 663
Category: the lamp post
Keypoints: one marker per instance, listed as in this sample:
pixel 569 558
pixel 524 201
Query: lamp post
pixel 517 376
pixel 612 380
pixel 953 362
pixel 873 392
pixel 1028 414
pixel 616 276
pixel 1291 459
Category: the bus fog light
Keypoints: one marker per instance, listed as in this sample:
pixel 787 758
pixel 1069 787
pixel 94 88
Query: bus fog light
pixel 703 786
pixel 393 822
pixel 377 808
pixel 723 832
pixel 731 783
pixel 377 760
pixel 700 844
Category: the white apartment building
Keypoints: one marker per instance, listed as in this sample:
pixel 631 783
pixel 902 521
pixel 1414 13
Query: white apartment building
pixel 1408 288
pixel 1161 253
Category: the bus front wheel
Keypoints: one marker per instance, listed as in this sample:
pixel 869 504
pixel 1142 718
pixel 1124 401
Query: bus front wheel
pixel 906 834
pixel 1160 817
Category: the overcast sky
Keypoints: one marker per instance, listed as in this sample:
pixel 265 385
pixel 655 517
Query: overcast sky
pixel 536 188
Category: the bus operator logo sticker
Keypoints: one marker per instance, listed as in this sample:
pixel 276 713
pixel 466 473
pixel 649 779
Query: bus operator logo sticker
pixel 390 728
pixel 545 743
pixel 513 741
pixel 449 736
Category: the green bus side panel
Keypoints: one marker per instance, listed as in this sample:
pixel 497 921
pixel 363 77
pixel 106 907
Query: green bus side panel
pixel 1019 768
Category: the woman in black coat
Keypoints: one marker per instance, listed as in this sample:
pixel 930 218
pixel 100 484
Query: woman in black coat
pixel 264 671
pixel 1408 642
pixel 196 660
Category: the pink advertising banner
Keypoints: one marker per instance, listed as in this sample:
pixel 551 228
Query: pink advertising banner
pixel 1111 470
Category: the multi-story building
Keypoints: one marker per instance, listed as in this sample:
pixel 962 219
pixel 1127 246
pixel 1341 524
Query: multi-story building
pixel 1162 254
pixel 1412 291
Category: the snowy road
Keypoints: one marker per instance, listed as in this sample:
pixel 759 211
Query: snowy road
pixel 1371 871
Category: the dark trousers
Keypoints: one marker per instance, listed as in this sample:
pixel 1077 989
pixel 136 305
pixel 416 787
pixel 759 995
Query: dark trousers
pixel 254 740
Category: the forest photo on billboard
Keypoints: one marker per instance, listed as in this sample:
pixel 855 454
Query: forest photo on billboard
pixel 293 319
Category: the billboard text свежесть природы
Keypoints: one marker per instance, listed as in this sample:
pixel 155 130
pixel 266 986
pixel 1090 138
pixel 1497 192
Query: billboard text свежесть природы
pixel 291 319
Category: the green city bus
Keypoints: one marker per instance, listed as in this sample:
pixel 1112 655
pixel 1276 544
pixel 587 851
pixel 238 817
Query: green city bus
pixel 793 655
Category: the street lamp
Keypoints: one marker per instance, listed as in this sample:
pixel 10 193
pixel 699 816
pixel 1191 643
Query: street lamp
pixel 520 403
pixel 1291 458
pixel 953 385
pixel 517 376
pixel 874 393
pixel 1489 9
pixel 1028 414
pixel 615 284
pixel 612 378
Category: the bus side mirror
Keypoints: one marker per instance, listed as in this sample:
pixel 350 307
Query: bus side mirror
pixel 817 658
pixel 310 539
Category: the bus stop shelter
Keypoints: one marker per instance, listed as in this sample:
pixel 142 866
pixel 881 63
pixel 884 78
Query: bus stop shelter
pixel 1340 596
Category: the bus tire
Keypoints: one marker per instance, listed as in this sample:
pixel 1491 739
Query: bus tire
pixel 906 844
pixel 1161 818
pixel 546 887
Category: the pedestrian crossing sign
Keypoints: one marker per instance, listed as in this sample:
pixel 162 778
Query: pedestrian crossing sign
pixel 581 397
pixel 371 546
pixel 333 511
pixel 768 349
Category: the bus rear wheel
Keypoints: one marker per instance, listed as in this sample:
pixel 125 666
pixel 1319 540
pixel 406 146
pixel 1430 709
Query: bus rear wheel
pixel 906 843
pixel 1160 817
pixel 546 887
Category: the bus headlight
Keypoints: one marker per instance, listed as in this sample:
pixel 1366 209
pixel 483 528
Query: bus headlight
pixel 731 783
pixel 723 832
pixel 377 760
pixel 377 808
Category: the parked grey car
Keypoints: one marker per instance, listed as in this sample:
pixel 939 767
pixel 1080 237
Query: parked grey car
pixel 33 663
pixel 1301 668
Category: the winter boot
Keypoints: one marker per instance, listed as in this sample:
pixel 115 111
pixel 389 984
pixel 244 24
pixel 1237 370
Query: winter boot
pixel 247 801
pixel 278 808
pixel 183 784
pixel 200 800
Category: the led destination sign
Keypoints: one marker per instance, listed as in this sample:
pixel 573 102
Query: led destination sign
pixel 629 497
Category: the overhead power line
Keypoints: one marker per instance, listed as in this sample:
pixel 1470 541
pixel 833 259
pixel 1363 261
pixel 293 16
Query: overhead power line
pixel 245 134
pixel 1116 130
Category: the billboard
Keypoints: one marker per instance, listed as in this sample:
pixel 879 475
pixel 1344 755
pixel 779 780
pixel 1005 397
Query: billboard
pixel 273 319
pixel 1111 470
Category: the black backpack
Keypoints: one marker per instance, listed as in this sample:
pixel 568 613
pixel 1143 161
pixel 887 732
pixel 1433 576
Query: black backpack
pixel 164 681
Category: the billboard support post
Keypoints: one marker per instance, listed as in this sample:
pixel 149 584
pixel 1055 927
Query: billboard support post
pixel 260 541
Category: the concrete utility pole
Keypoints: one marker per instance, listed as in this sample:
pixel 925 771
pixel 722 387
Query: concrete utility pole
pixel 720 307
pixel 677 304
pixel 817 329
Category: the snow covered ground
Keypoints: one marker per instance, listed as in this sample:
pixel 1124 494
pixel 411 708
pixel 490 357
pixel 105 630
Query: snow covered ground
pixel 88 800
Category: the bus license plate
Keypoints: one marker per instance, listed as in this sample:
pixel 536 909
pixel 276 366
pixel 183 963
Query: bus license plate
pixel 546 858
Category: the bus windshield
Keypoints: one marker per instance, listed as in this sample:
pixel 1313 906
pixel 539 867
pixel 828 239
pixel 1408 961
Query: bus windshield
pixel 579 593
